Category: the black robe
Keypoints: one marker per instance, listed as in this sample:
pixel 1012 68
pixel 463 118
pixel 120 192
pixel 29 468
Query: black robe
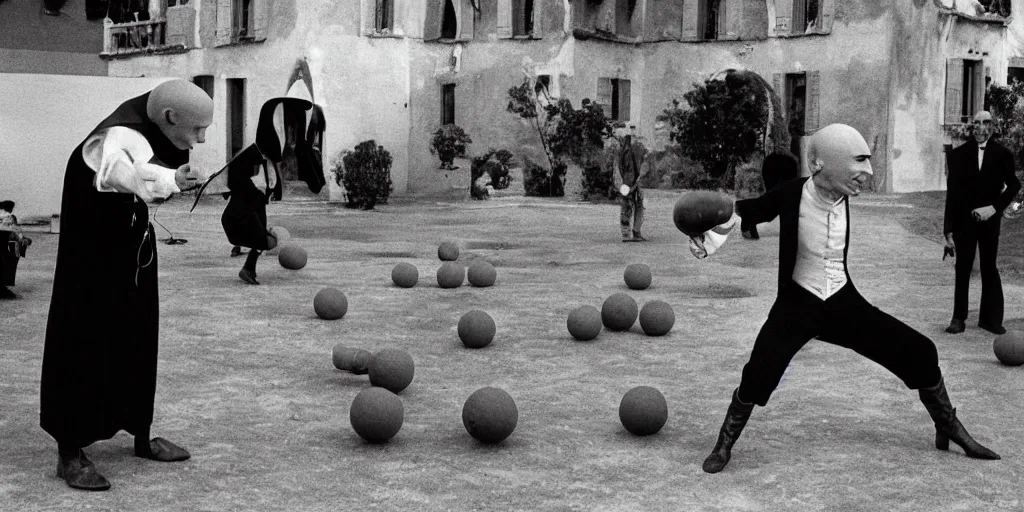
pixel 100 355
pixel 245 217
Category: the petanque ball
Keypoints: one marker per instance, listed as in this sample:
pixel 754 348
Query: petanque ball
pixel 657 318
pixel 481 273
pixel 637 276
pixel 355 360
pixel 282 237
pixel 292 257
pixel 405 275
pixel 448 251
pixel 450 275
pixel 619 312
pixel 1009 348
pixel 700 210
pixel 476 329
pixel 391 369
pixel 584 323
pixel 490 415
pixel 330 304
pixel 643 410
pixel 376 414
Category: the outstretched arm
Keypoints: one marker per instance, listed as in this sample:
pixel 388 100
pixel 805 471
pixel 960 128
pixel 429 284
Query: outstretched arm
pixel 120 157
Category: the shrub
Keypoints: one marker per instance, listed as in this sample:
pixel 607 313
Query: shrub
pixel 366 175
pixel 725 126
pixel 449 142
pixel 493 166
pixel 598 183
pixel 538 182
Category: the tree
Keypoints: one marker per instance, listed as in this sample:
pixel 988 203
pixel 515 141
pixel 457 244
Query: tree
pixel 728 121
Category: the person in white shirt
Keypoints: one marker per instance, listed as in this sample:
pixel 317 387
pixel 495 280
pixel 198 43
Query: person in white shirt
pixel 816 296
pixel 100 353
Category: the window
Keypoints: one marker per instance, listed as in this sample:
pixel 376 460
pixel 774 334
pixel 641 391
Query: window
pixel 624 10
pixel 205 82
pixel 542 87
pixel 384 15
pixel 519 18
pixel 522 17
pixel 797 17
pixel 799 95
pixel 613 94
pixel 965 89
pixel 241 20
pixel 710 16
pixel 449 20
pixel 448 104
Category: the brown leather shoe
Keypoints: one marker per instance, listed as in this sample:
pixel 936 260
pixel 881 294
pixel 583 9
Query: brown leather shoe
pixel 79 473
pixel 163 450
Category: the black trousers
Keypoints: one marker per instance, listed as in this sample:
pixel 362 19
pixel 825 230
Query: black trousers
pixel 845 319
pixel 984 236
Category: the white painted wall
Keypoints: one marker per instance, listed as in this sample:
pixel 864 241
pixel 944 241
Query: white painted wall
pixel 40 129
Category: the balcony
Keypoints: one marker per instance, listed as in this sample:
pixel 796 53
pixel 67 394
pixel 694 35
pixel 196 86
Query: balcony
pixel 172 33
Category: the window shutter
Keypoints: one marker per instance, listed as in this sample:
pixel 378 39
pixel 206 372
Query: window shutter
pixel 691 15
pixel 378 15
pixel 261 18
pixel 604 95
pixel 827 10
pixel 978 87
pixel 799 20
pixel 777 84
pixel 432 20
pixel 954 84
pixel 624 97
pixel 733 17
pixel 467 22
pixel 225 22
pixel 504 19
pixel 538 19
pixel 784 17
pixel 811 110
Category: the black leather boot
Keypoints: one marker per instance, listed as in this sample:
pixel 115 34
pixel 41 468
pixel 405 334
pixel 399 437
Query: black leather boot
pixel 947 426
pixel 735 419
pixel 159 449
pixel 78 472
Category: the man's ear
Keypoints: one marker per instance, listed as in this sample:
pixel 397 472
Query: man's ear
pixel 170 116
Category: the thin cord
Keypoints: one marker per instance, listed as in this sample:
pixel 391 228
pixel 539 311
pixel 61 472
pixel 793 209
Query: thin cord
pixel 170 240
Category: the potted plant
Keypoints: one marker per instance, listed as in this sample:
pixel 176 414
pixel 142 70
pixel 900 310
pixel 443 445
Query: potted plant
pixel 448 143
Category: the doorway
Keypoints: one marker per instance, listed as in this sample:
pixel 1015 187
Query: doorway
pixel 235 116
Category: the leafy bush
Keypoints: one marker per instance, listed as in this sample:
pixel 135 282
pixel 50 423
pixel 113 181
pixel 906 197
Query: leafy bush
pixel 493 166
pixel 366 175
pixel 449 142
pixel 725 125
pixel 598 183
pixel 566 134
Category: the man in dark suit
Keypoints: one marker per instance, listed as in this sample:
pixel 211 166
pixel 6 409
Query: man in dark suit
pixel 817 298
pixel 980 185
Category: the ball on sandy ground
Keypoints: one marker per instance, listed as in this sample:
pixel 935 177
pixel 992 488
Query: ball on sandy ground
pixel 330 304
pixel 1009 348
pixel 700 210
pixel 376 414
pixel 643 410
pixel 450 275
pixel 282 235
pixel 490 415
pixel 405 275
pixel 481 273
pixel 637 276
pixel 476 329
pixel 391 369
pixel 619 312
pixel 292 257
pixel 657 318
pixel 448 251
pixel 584 323
pixel 350 359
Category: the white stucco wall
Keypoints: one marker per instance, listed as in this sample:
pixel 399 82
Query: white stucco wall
pixel 40 130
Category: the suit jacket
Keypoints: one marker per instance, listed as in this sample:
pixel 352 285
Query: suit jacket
pixel 783 201
pixel 968 188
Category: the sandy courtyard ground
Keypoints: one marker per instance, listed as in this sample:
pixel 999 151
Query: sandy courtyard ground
pixel 246 380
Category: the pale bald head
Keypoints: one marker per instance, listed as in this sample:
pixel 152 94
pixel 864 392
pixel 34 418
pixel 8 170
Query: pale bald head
pixel 182 110
pixel 982 126
pixel 839 160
